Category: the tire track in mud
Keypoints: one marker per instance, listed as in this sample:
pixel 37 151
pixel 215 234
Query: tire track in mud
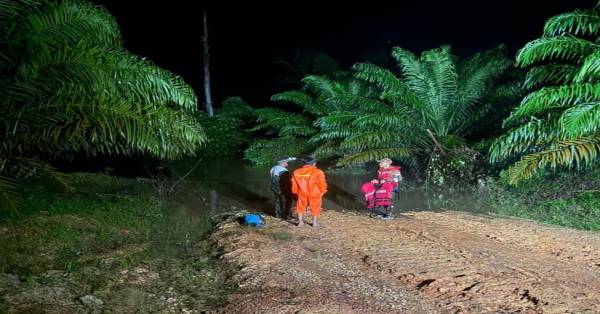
pixel 467 263
pixel 421 262
pixel 305 275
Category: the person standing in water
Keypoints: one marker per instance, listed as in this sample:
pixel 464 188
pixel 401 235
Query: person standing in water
pixel 281 187
pixel 309 184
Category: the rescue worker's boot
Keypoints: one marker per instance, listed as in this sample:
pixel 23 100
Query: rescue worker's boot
pixel 315 224
pixel 300 220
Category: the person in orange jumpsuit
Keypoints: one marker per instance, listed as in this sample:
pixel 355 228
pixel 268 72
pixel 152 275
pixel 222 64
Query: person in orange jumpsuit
pixel 309 184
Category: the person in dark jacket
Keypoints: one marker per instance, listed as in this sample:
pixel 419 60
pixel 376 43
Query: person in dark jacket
pixel 282 188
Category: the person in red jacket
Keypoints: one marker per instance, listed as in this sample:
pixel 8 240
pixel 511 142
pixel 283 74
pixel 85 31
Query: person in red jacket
pixel 309 184
pixel 387 172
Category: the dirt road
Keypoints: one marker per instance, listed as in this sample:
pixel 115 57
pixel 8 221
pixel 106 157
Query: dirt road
pixel 422 262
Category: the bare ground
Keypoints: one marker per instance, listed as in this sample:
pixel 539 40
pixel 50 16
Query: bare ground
pixel 421 262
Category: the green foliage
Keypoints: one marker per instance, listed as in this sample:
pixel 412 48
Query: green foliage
pixel 96 211
pixel 266 151
pixel 435 101
pixel 566 199
pixel 373 113
pixel 282 123
pixel 225 137
pixel 107 227
pixel 453 169
pixel 290 132
pixel 236 107
pixel 8 193
pixel 226 131
pixel 68 86
pixel 556 125
pixel 77 90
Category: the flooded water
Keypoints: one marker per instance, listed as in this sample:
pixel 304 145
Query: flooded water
pixel 249 187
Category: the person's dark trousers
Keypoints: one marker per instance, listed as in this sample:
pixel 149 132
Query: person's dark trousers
pixel 281 208
pixel 283 205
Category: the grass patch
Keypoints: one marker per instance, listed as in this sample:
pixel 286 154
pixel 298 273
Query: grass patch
pixel 581 211
pixel 106 227
pixel 565 199
pixel 281 235
pixel 53 231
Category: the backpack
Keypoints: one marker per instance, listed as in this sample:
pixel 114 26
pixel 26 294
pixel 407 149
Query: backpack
pixel 255 220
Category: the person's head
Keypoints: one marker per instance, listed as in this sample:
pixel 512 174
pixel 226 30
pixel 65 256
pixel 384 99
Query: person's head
pixel 310 161
pixel 385 163
pixel 283 162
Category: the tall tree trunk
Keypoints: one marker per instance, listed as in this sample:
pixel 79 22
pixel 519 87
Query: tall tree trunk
pixel 208 101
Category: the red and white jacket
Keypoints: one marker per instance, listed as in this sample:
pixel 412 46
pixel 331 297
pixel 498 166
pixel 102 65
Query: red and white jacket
pixel 377 194
pixel 386 173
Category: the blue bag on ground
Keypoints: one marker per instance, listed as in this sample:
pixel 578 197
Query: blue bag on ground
pixel 254 220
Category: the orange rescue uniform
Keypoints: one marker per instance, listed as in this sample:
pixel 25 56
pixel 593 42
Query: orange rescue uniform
pixel 309 184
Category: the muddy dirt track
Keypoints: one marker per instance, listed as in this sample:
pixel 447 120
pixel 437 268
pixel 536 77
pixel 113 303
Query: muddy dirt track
pixel 421 262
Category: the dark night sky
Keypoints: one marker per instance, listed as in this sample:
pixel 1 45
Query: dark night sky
pixel 246 39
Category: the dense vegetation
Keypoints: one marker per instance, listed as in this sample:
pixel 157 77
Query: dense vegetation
pixel 439 114
pixel 421 116
pixel 515 135
pixel 556 125
pixel 68 86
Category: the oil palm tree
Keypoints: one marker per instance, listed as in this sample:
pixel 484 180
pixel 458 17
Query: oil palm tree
pixel 428 107
pixel 557 123
pixel 68 86
pixel 291 131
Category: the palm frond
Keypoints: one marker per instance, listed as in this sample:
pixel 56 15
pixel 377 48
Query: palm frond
pixel 375 154
pixel 566 48
pixel 332 135
pixel 322 85
pixel 384 121
pixel 73 72
pixel 327 150
pixel 13 8
pixel 523 139
pixel 477 75
pixel 384 79
pixel 441 89
pixel 578 22
pixel 300 98
pixel 411 66
pixel 554 98
pixel 347 101
pixel 70 22
pixel 414 77
pixel 278 120
pixel 335 119
pixel 369 140
pixel 576 152
pixel 297 130
pixel 590 69
pixel 9 197
pixel 581 120
pixel 550 74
